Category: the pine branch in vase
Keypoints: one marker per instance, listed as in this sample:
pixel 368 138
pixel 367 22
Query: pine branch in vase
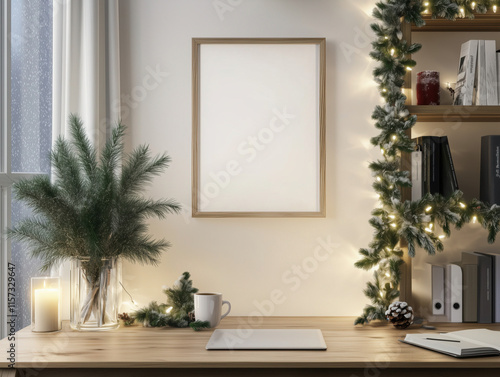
pixel 92 211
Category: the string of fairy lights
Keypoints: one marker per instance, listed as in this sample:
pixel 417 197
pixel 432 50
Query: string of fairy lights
pixel 422 223
pixel 461 9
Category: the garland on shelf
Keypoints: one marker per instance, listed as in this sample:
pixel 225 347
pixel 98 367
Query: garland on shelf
pixel 414 222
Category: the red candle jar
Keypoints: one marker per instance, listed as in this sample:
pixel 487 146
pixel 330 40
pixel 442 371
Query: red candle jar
pixel 428 88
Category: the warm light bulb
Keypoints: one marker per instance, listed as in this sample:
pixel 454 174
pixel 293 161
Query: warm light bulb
pixel 384 90
pixel 392 217
pixel 386 37
pixel 494 8
pixel 392 51
pixel 462 205
pixel 426 3
pixel 408 68
pixel 169 309
pixel 442 236
pixel 379 179
pixel 394 137
pixel 382 150
pixel 473 5
pixel 448 85
pixel 462 11
pixel 428 209
pixel 391 187
pixel 428 230
pixel 431 225
pixel 388 274
pixel 474 219
pixel 393 225
pixel 381 294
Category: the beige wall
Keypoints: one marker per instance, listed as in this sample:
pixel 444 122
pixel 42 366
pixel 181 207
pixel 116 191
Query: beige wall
pixel 253 260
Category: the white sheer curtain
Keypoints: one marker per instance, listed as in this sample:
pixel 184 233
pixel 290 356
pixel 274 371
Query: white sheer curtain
pixel 86 76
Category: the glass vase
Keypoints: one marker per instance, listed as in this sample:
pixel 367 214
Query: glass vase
pixel 94 294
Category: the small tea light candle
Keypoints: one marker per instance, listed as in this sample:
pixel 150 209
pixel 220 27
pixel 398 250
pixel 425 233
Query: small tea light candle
pixel 45 304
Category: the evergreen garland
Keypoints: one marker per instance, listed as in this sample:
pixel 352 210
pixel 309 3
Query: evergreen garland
pixel 177 311
pixel 412 222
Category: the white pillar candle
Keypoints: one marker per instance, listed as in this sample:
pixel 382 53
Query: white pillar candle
pixel 46 309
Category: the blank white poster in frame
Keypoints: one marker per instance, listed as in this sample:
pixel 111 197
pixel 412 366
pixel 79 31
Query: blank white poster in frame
pixel 258 127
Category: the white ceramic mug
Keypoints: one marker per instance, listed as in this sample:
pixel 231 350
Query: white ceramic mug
pixel 208 307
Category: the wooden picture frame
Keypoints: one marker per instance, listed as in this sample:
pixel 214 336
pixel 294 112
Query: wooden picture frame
pixel 259 127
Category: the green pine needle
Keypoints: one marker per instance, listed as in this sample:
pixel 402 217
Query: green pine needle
pixel 409 221
pixel 177 311
pixel 93 207
pixel 199 325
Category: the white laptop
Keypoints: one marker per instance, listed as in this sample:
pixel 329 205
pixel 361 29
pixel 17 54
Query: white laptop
pixel 266 339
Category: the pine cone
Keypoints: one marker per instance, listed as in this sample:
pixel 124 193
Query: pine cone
pixel 127 320
pixel 400 314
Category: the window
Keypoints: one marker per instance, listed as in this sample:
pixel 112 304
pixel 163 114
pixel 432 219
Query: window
pixel 26 128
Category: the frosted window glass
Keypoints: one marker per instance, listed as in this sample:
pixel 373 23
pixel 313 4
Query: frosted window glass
pixel 31 122
pixel 31 74
pixel 26 268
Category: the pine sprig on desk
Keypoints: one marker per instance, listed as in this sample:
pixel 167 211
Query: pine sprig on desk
pixel 416 223
pixel 199 325
pixel 177 311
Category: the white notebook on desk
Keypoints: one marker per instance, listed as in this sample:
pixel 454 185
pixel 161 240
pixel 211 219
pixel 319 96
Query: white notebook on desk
pixel 266 339
pixel 465 343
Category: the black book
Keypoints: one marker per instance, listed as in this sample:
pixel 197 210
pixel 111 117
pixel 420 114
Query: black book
pixel 435 164
pixel 423 143
pixel 485 295
pixel 490 169
pixel 470 290
pixel 438 171
pixel 495 285
pixel 484 284
pixel 449 182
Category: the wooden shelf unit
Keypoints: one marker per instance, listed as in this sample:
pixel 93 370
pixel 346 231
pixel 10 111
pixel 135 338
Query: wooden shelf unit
pixel 481 22
pixel 450 113
pixel 489 22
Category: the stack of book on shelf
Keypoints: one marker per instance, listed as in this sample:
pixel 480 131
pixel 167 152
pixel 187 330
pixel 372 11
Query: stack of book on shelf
pixel 466 291
pixel 432 169
pixel 433 172
pixel 478 74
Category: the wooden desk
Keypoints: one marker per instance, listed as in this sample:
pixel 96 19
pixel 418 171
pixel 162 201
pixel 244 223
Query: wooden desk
pixel 371 351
